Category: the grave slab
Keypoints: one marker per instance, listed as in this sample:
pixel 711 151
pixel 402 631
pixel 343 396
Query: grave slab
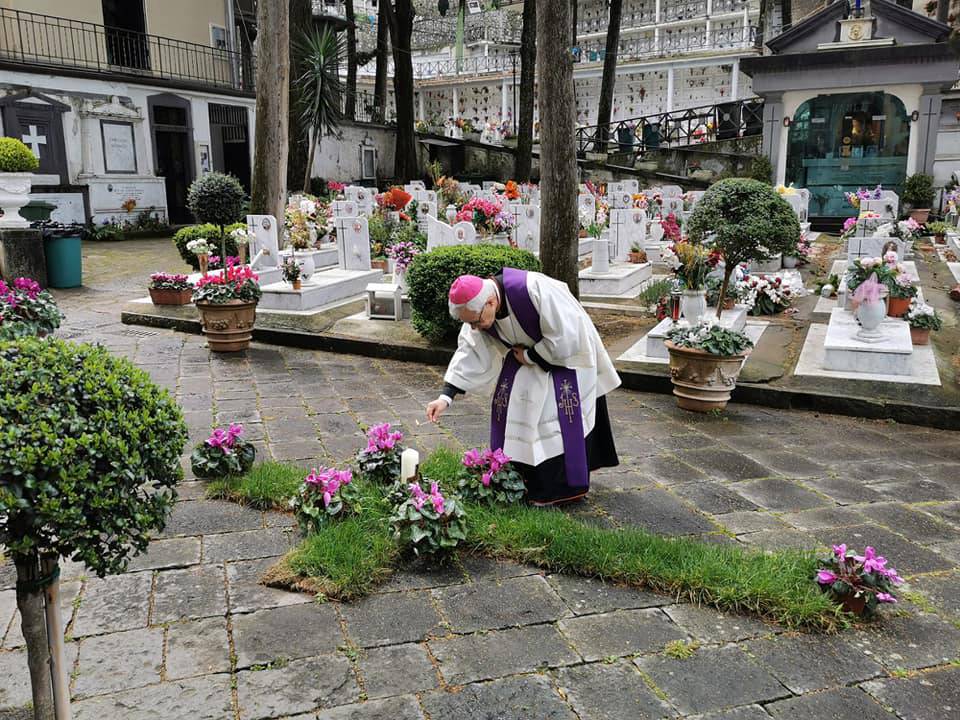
pixel 844 352
pixel 620 280
pixel 322 289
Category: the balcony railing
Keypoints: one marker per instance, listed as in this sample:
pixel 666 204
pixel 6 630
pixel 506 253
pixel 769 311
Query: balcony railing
pixel 468 66
pixel 52 42
pixel 677 43
pixel 678 128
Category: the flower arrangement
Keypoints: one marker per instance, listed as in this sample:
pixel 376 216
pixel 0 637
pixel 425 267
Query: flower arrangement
pixel 487 216
pixel 325 494
pixel 403 254
pixel 298 230
pixel 291 270
pixel 786 189
pixel 859 581
pixel 639 201
pixel 511 191
pixel 448 190
pixel 923 317
pixel 395 199
pixel 906 230
pixel 431 522
pixel 690 262
pixel 236 282
pixel 804 249
pixel 764 295
pixel 200 246
pixel 849 228
pixel 901 285
pixel 854 198
pixel 710 338
pixel 166 281
pixel 421 126
pixel 224 453
pixel 26 309
pixel 864 267
pixel 671 228
pixel 380 459
pixel 336 187
pixel 241 236
pixel 595 225
pixel 489 477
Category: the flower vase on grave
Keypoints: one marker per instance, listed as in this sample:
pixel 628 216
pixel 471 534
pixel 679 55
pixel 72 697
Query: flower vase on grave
pixel 400 279
pixel 204 261
pixel 242 252
pixel 451 213
pixel 693 305
pixel 601 256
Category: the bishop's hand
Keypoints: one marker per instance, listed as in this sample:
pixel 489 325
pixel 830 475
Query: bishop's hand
pixel 435 409
pixel 518 351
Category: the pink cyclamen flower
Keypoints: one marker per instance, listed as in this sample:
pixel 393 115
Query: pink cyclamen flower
pixel 840 550
pixel 825 577
pixel 436 498
pixel 885 597
pixel 486 478
pixel 891 575
pixel 471 458
pixel 419 496
pixel 871 561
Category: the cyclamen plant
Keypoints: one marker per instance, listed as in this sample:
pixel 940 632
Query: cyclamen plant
pixel 488 476
pixel 846 575
pixel 380 459
pixel 763 295
pixel 923 317
pixel 27 309
pixel 235 283
pixel 710 338
pixel 325 494
pixel 222 454
pixel 487 216
pixel 429 523
pixel 167 281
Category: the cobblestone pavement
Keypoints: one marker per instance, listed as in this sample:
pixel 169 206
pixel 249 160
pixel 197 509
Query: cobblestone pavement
pixel 187 632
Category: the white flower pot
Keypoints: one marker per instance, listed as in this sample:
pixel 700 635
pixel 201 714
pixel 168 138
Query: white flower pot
pixel 789 262
pixel 451 213
pixel 14 194
pixel 693 305
pixel 400 280
pixel 870 315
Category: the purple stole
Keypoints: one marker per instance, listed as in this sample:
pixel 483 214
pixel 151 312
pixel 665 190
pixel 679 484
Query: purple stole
pixel 565 385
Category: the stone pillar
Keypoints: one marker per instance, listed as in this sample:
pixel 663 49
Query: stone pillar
pixel 669 89
pixel 21 255
pixel 774 134
pixel 423 115
pixel 456 103
pixel 504 94
pixel 735 80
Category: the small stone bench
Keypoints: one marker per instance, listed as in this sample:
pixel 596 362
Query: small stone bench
pixel 373 289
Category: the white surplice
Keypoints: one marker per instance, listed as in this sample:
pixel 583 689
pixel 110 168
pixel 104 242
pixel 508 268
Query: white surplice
pixel 569 340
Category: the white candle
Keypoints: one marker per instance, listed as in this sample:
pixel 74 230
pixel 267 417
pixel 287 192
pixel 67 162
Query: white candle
pixel 409 460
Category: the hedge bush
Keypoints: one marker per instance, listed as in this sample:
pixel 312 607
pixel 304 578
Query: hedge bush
pixel 89 453
pixel 211 233
pixel 431 274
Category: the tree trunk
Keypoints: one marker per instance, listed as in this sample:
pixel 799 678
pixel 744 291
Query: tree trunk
pixel 350 111
pixel 268 196
pixel 383 61
pixel 943 11
pixel 727 272
pixel 400 20
pixel 528 78
pixel 609 76
pixel 301 19
pixel 34 627
pixel 558 159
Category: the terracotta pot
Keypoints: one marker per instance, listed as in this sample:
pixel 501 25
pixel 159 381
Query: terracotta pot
pixel 170 297
pixel 379 265
pixel 638 258
pixel 242 253
pixel 729 303
pixel 940 239
pixel 920 215
pixel 920 336
pixel 204 261
pixel 298 284
pixel 853 604
pixel 228 326
pixel 897 307
pixel 701 381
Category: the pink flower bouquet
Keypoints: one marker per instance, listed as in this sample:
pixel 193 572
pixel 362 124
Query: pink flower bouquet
pixel 860 582
pixel 489 477
pixel 223 454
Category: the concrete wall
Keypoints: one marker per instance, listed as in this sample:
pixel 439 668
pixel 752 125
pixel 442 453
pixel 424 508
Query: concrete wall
pixel 187 20
pixel 86 10
pixel 339 159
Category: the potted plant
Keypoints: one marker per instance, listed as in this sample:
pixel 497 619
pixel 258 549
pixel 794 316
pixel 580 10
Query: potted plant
pixel 705 360
pixel 902 291
pixel 201 248
pixel 860 583
pixel 26 309
pixel 241 238
pixel 429 523
pixel 918 195
pixel 291 273
pixel 217 199
pixel 691 264
pixel 939 231
pixel 922 318
pixel 744 220
pixel 298 232
pixel 167 289
pixel 637 255
pixel 17 164
pixel 379 461
pixel 489 477
pixel 89 462
pixel 228 307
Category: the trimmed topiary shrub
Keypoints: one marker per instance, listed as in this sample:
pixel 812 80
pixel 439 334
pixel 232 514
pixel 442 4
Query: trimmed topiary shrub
pixel 431 274
pixel 745 220
pixel 15 157
pixel 217 199
pixel 761 169
pixel 918 191
pixel 211 233
pixel 89 457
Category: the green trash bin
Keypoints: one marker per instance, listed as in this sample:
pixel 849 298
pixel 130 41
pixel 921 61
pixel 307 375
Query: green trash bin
pixel 64 258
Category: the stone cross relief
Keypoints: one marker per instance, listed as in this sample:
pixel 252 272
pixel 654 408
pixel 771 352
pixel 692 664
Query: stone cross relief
pixel 353 244
pixel 34 141
pixel 265 246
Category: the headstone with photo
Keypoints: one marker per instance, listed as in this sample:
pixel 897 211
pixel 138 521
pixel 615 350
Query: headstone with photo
pixel 526 231
pixel 345 209
pixel 425 209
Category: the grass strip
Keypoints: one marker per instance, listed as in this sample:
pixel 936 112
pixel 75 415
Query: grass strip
pixel 348 558
pixel 266 486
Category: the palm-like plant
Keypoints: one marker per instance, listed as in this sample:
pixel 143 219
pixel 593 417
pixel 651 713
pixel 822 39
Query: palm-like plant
pixel 319 85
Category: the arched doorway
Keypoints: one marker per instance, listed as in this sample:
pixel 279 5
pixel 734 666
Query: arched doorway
pixel 840 142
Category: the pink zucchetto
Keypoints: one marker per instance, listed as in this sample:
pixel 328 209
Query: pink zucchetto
pixel 465 288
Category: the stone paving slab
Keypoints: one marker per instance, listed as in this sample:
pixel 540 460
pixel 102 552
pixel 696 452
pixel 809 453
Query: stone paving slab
pixel 839 703
pixel 611 692
pixel 486 606
pixel 519 698
pixel 197 647
pixel 396 670
pixel 619 633
pixel 288 633
pixel 375 620
pixel 118 661
pixel 928 696
pixel 401 708
pixel 203 698
pixel 296 687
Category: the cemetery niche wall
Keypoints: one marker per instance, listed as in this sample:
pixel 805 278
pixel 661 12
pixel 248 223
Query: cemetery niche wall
pixel 853 100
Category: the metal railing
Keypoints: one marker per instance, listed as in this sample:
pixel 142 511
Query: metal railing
pixel 678 128
pixel 53 42
pixel 676 43
pixel 365 108
pixel 468 66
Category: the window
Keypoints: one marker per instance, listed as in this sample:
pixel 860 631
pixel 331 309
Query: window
pixel 218 37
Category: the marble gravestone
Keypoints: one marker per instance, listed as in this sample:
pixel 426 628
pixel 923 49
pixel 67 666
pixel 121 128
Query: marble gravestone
pixel 425 209
pixel 439 234
pixel 620 200
pixel 362 196
pixel 345 209
pixel 586 208
pixel 671 191
pixel 526 231
pixel 264 248
pixel 414 185
pixel 672 205
pixel 885 207
pixel 627 227
pixel 422 196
